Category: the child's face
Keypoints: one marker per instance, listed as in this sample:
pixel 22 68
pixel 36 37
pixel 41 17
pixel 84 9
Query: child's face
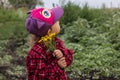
pixel 55 28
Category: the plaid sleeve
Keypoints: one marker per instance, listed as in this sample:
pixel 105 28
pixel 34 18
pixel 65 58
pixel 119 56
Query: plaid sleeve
pixel 37 68
pixel 68 53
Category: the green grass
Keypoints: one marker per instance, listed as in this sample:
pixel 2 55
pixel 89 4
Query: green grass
pixel 7 29
pixel 11 21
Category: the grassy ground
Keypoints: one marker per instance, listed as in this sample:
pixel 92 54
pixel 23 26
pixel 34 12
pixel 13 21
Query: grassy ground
pixel 8 28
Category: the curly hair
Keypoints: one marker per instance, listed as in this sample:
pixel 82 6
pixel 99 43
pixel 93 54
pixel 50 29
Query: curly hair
pixel 32 39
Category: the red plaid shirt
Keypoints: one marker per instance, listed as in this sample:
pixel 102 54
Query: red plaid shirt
pixel 41 65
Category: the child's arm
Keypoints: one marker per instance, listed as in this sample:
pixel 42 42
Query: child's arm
pixel 67 53
pixel 36 64
pixel 61 59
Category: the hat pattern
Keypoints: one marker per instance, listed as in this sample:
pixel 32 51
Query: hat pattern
pixel 43 14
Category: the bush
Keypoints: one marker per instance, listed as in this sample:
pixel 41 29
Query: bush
pixel 96 48
pixel 71 13
pixel 13 48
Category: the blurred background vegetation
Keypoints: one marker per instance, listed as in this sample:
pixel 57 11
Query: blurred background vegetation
pixel 93 34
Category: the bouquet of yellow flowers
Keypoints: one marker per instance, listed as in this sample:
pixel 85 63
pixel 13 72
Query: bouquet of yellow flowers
pixel 48 41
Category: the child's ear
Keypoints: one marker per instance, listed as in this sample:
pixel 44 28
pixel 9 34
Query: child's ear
pixel 49 31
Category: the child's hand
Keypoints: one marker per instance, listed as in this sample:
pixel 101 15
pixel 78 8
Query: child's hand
pixel 58 54
pixel 62 63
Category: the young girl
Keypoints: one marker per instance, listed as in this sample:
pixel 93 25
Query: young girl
pixel 48 56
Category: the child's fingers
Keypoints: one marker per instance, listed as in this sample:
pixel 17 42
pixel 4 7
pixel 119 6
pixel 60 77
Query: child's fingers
pixel 58 54
pixel 62 59
pixel 56 50
pixel 55 53
pixel 62 64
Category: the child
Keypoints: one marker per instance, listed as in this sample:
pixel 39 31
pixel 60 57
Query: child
pixel 48 57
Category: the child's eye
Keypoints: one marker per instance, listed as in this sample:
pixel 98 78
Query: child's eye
pixel 46 13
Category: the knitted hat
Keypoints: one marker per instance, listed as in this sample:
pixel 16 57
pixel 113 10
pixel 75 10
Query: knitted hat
pixel 40 20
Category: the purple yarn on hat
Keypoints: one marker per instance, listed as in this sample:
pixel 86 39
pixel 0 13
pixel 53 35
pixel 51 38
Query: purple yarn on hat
pixel 37 27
